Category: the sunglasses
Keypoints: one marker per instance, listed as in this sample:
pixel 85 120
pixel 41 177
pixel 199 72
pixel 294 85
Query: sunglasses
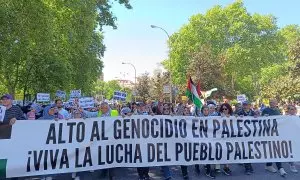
pixel 224 109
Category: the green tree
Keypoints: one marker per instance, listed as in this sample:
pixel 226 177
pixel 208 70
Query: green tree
pixel 48 45
pixel 240 43
pixel 282 81
pixel 157 83
pixel 143 87
pixel 107 89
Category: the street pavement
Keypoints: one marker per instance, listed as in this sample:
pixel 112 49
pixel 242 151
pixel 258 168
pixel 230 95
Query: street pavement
pixel 237 174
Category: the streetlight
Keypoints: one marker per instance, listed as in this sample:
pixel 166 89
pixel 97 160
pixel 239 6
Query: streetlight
pixel 171 93
pixel 134 77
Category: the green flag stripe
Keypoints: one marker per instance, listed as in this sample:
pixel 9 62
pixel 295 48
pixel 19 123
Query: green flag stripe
pixel 195 99
pixel 3 163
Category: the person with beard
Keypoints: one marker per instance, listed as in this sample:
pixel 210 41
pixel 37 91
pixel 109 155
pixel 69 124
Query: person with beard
pixel 273 111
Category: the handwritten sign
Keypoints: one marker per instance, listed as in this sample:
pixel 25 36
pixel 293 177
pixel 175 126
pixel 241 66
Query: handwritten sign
pixel 241 98
pixel 121 96
pixel 61 94
pixel 43 97
pixel 75 94
pixel 86 102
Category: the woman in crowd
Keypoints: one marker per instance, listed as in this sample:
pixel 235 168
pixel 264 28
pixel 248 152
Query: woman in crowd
pixel 167 110
pixel 225 111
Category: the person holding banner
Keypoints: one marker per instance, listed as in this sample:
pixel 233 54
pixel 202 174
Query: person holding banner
pixel 167 110
pixel 292 111
pixel 143 172
pixel 50 113
pixel 185 112
pixel 105 111
pixel 205 111
pixel 225 111
pixel 12 113
pixel 247 111
pixel 273 111
pixel 76 114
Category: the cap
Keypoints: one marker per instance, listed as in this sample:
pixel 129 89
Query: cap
pixel 7 96
pixel 141 104
pixel 246 103
pixel 211 102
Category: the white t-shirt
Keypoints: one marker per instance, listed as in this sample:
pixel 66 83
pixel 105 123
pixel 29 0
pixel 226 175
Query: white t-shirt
pixel 298 110
pixel 64 113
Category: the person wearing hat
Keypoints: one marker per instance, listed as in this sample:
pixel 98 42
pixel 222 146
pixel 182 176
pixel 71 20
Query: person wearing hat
pixel 247 111
pixel 12 113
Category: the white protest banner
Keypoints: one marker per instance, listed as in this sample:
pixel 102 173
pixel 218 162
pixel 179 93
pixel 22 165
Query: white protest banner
pixel 75 94
pixel 2 113
pixel 137 141
pixel 86 102
pixel 241 98
pixel 43 97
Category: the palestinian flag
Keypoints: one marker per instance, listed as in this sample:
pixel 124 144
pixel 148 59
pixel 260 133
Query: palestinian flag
pixel 193 93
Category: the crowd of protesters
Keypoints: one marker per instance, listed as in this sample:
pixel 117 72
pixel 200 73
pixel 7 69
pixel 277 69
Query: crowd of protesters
pixel 60 110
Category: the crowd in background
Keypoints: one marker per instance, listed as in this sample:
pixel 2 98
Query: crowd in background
pixel 60 110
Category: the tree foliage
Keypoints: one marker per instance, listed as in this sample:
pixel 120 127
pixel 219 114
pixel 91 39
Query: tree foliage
pixel 240 44
pixel 107 89
pixel 143 87
pixel 157 83
pixel 282 81
pixel 48 45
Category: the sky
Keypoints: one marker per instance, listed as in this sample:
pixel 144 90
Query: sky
pixel 135 42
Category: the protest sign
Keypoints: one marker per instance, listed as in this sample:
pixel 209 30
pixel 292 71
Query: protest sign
pixel 137 141
pixel 43 97
pixel 86 102
pixel 120 96
pixel 241 98
pixel 75 94
pixel 60 94
pixel 2 113
pixel 166 89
